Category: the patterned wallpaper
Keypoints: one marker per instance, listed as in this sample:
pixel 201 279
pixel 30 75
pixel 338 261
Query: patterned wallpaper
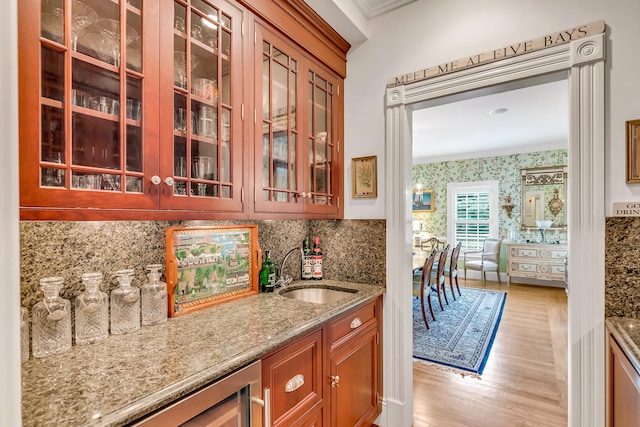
pixel 505 169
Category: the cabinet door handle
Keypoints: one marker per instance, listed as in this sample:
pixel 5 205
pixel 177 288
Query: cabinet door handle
pixel 156 180
pixel 356 323
pixel 335 379
pixel 169 181
pixel 294 383
pixel 266 404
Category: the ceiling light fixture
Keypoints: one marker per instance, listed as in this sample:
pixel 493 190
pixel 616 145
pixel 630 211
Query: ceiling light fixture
pixel 498 111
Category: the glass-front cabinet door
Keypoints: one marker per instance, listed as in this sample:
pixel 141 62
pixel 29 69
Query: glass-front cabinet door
pixel 296 138
pixel 202 63
pixel 83 99
pixel 131 104
pixel 277 182
pixel 322 167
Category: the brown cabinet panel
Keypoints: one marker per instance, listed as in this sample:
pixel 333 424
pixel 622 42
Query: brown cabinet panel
pixel 342 379
pixel 294 376
pixel 354 380
pixel 354 395
pixel 352 323
pixel 624 398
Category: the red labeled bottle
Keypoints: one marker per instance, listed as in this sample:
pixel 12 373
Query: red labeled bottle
pixel 316 259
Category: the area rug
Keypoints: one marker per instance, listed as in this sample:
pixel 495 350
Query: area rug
pixel 462 334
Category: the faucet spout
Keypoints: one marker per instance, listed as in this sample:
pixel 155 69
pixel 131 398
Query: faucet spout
pixel 283 280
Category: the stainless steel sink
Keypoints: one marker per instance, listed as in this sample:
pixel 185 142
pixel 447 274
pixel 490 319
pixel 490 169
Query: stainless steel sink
pixel 316 294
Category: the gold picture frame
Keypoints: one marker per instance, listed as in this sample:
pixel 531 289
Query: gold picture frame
pixel 633 151
pixel 364 177
pixel 423 201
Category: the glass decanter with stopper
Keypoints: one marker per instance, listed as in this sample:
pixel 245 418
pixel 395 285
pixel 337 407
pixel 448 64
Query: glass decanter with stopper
pixel 92 311
pixel 125 304
pixel 24 334
pixel 51 320
pixel 154 297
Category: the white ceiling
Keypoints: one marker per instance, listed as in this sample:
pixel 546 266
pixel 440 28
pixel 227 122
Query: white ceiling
pixel 537 118
pixel 373 8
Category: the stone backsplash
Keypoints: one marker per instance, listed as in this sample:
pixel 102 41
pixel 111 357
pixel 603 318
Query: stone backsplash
pixel 622 267
pixel 354 250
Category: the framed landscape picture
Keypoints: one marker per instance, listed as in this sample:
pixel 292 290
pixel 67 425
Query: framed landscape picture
pixel 423 201
pixel 209 265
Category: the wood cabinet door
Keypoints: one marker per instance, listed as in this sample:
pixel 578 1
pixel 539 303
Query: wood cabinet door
pixel 354 381
pixel 322 163
pixel 278 128
pixel 624 400
pixel 294 378
pixel 202 76
pixel 88 103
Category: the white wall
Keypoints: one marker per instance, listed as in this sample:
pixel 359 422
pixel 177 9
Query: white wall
pixel 428 33
pixel 10 248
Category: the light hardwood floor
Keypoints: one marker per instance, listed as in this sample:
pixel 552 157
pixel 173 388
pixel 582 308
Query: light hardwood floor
pixel 524 382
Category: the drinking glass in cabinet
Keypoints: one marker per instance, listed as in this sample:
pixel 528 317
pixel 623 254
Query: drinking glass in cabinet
pixel 180 167
pixel 180 68
pixel 81 17
pixel 203 167
pixel 52 26
pixel 180 120
pixel 133 109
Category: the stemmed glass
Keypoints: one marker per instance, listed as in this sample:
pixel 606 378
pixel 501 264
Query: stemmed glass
pixel 180 67
pixel 110 30
pixel 82 16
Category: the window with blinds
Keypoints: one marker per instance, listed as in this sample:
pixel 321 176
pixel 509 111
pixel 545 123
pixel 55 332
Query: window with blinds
pixel 473 213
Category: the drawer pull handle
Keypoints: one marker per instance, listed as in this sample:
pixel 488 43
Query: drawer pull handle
pixel 335 379
pixel 356 323
pixel 294 383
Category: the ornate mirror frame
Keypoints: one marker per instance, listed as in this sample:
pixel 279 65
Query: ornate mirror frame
pixel 553 206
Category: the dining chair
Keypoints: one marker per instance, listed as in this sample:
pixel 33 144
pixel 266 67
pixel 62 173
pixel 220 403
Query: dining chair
pixel 451 270
pixel 488 259
pixel 437 277
pixel 432 243
pixel 426 281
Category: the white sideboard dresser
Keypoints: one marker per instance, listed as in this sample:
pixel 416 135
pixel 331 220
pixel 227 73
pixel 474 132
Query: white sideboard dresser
pixel 536 261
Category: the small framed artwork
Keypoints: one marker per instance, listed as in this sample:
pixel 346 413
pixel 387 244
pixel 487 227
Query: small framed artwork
pixel 633 151
pixel 209 265
pixel 423 201
pixel 364 177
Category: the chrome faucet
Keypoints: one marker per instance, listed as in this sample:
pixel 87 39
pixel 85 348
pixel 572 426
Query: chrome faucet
pixel 283 280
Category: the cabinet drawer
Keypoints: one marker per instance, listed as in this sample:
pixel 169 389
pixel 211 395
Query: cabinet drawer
pixel 354 321
pixel 294 376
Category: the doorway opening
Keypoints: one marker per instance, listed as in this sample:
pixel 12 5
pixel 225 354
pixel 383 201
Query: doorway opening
pixel 532 133
pixel 583 61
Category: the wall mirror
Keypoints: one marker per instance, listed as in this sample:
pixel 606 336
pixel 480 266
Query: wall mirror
pixel 544 195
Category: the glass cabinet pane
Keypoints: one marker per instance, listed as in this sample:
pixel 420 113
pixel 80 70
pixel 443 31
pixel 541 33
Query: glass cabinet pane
pixel 279 91
pixel 320 142
pixel 202 97
pixel 95 141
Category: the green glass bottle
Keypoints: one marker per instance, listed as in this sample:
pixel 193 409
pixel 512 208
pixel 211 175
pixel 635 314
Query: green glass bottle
pixel 267 274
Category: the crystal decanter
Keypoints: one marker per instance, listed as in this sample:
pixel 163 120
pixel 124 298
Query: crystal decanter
pixel 154 297
pixel 51 320
pixel 92 311
pixel 24 334
pixel 125 304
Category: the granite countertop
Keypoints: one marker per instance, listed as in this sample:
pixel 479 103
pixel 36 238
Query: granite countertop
pixel 127 376
pixel 626 331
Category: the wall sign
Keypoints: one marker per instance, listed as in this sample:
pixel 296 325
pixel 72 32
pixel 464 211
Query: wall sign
pixel 549 40
pixel 626 209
